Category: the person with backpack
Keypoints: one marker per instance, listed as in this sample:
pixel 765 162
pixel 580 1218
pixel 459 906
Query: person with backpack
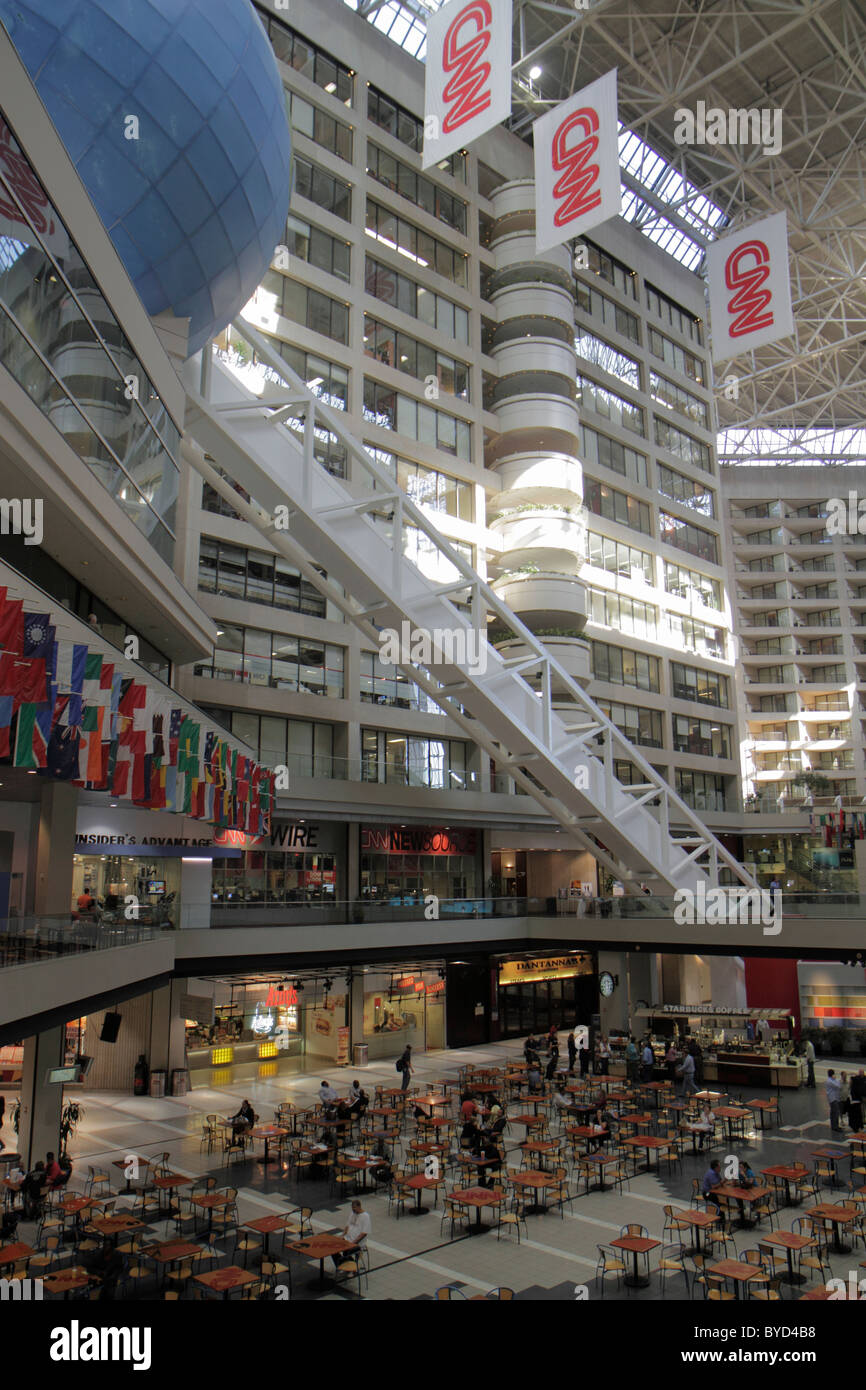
pixel 404 1065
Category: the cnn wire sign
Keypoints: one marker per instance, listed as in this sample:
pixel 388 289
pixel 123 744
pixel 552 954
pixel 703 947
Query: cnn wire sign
pixel 468 74
pixel 750 287
pixel 577 182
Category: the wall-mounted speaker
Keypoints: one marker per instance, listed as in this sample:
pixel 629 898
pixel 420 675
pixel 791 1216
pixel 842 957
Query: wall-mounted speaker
pixel 110 1028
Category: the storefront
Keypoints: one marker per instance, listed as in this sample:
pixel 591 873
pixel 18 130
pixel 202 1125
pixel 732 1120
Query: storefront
pixel 401 1009
pixel 298 862
pixel 822 861
pixel 536 992
pixel 403 864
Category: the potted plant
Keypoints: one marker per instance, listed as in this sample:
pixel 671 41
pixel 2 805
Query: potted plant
pixel 836 1041
pixel 71 1115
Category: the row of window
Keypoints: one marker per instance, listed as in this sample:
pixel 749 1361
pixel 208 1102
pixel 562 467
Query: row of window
pixel 391 410
pixel 319 126
pixel 678 399
pixel 591 301
pixel 410 760
pixel 302 745
pixel 608 502
pixel 686 490
pixel 676 356
pixel 428 487
pixel 671 313
pixel 611 453
pixel 688 582
pixel 416 187
pixel 610 269
pixel 323 188
pixel 395 349
pixel 307 58
pixel 385 685
pixel 419 302
pixel 691 734
pixel 318 248
pixel 310 308
pixel 602 354
pixel 684 535
pixel 619 666
pixel 640 619
pixel 618 558
pixel 258 577
pixel 415 244
pixel 328 380
pixel 274 660
pixel 611 406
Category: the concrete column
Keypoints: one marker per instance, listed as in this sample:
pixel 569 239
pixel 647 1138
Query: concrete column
pixel 167 1046
pixel 196 877
pixel 353 862
pixel 55 843
pixel 41 1103
pixel 356 1011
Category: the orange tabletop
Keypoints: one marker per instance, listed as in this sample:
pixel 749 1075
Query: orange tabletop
pixel 167 1251
pixel 761 1104
pixel 822 1293
pixel 732 1112
pixel 431 1100
pixel 477 1197
pixel 639 1245
pixel 224 1280
pixel 792 1172
pixel 381 1110
pixel 210 1201
pixel 113 1225
pixel 267 1224
pixel 319 1248
pixel 788 1240
pixel 648 1142
pixel 735 1269
pixel 172 1180
pixel 419 1181
pixel 436 1122
pixel 66 1280
pixel 643 1119
pixel 476 1161
pixel 697 1218
pixel 533 1177
pixel 268 1131
pixel 587 1132
pixel 540 1146
pixel 73 1205
pixel 531 1121
pixel 830 1213
pixel 10 1253
pixel 830 1151
pixel 740 1194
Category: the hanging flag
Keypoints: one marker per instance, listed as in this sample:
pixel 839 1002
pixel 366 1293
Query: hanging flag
pixel 577 180
pixel 750 287
pixel 11 625
pixel 31 735
pixel 467 88
pixel 38 636
pixel 25 681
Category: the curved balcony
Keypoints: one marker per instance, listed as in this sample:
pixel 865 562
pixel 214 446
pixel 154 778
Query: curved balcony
pixel 540 477
pixel 544 598
pixel 528 352
pixel 572 653
pixel 551 539
pixel 546 414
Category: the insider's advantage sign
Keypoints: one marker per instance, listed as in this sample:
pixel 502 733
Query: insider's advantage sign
pixel 577 164
pixel 750 287
pixel 468 74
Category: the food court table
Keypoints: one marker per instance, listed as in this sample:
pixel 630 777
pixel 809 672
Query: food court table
pixel 116 1225
pixel 319 1248
pixel 168 1252
pixel 131 1161
pixel 655 1089
pixel 649 1142
pixel 831 1153
pixel 211 1202
pixel 637 1245
pixel 431 1101
pixel 786 1173
pixel 839 1217
pixel 267 1225
pixel 476 1197
pixel 419 1183
pixel 699 1221
pixel 267 1132
pixel 736 1270
pixel 168 1182
pixel 743 1196
pixel 763 1107
pixel 538 1182
pixel 731 1114
pixel 789 1242
pixel 226 1280
pixel 359 1164
pixel 697 1130
pixel 599 1161
pixel 66 1281
pixel 541 1147
pixel 10 1254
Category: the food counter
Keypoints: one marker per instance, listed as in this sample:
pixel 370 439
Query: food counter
pixel 742 1068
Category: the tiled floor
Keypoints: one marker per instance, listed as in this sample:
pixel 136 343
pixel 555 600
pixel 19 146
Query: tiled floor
pixel 409 1258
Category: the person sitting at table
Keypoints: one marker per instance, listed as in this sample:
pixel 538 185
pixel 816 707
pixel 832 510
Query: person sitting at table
pixel 495 1120
pixel 327 1096
pixel 745 1174
pixel 487 1149
pixel 711 1179
pixel 534 1078
pixel 562 1100
pixel 356 1231
pixel 32 1191
pixel 243 1120
pixel 53 1171
pixel 705 1124
pixel 357 1100
pixel 468 1106
pixel 107 1265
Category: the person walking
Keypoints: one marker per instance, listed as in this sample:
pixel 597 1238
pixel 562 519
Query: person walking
pixel 648 1061
pixel 844 1096
pixel 553 1063
pixel 834 1093
pixel 405 1066
pixel 686 1070
pixel 632 1059
pixel 585 1057
pixel 858 1095
pixel 572 1051
pixel 809 1054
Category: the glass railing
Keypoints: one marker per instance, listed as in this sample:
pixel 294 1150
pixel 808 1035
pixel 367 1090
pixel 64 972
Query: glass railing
pixel 24 940
pixel 399 907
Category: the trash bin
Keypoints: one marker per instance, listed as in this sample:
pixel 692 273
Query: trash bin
pixel 180 1081
pixel 360 1052
pixel 551 906
pixel 157 1083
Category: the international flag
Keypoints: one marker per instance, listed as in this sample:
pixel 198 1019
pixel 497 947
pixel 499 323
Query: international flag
pixel 11 624
pixel 175 722
pixel 25 681
pixel 32 735
pixel 38 636
pixel 63 743
pixel 71 662
pixel 6 711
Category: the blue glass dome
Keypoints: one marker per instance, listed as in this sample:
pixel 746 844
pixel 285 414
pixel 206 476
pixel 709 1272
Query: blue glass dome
pixel 196 204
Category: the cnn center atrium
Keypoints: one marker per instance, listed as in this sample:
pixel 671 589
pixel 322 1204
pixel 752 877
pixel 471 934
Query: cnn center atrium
pixel 431 453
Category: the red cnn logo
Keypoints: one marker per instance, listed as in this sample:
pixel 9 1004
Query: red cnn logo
pixel 466 89
pixel 746 269
pixel 572 161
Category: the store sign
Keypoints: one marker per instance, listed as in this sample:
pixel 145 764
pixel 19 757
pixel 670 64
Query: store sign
pixel 295 835
pixel 577 178
pixel 281 998
pixel 512 972
pixel 749 283
pixel 395 839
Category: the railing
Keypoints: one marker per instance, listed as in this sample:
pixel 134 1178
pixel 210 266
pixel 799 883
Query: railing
pixel 24 940
pixel 405 907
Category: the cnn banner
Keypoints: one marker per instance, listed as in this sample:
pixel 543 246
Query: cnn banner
pixel 468 81
pixel 750 287
pixel 577 164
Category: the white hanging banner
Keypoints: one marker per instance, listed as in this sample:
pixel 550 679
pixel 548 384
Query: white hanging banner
pixel 577 182
pixel 750 287
pixel 468 74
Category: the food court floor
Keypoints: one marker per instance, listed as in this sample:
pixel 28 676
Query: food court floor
pixel 408 1257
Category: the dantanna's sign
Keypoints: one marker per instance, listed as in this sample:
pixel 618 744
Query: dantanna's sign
pixel 417 839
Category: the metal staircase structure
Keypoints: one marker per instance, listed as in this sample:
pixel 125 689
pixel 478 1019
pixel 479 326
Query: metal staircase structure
pixel 527 713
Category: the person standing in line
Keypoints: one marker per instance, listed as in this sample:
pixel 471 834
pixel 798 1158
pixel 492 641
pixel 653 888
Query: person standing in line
pixel 406 1067
pixel 858 1095
pixel 833 1092
pixel 572 1051
pixel 648 1061
pixel 553 1064
pixel 809 1054
pixel 686 1070
pixel 631 1059
pixel 585 1057
pixel 603 1056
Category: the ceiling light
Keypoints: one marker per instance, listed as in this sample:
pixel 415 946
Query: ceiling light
pixel 535 73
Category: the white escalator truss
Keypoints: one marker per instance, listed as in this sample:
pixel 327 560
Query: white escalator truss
pixel 355 530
